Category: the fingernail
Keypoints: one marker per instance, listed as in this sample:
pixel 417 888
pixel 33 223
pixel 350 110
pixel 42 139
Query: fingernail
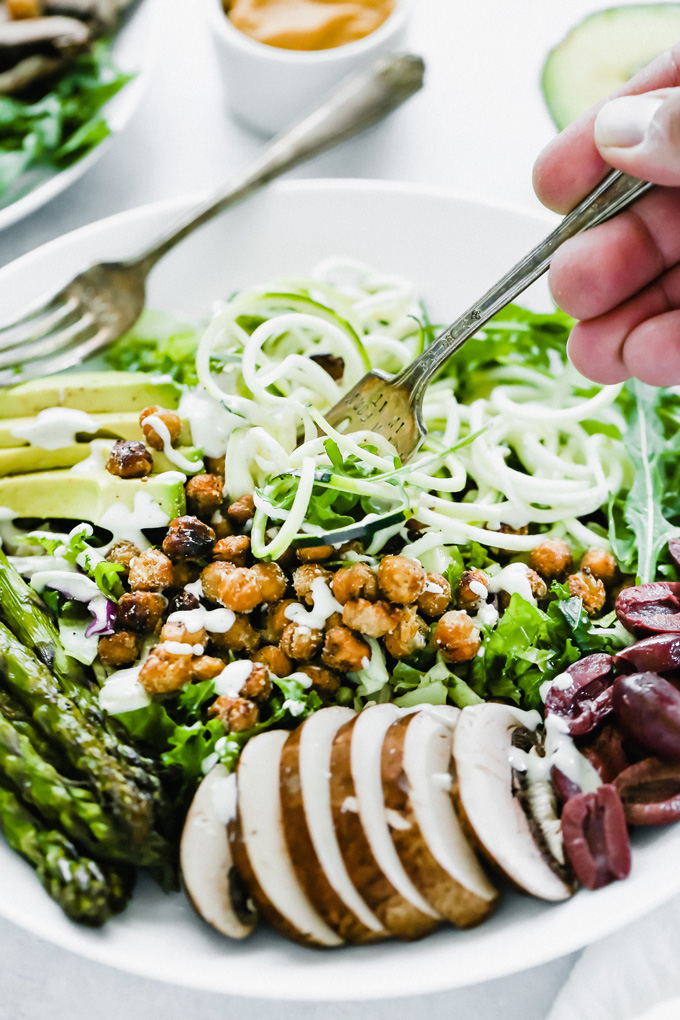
pixel 622 123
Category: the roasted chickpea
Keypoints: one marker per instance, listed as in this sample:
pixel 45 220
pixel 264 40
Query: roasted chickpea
pixel 472 589
pixel 374 619
pixel 177 633
pixel 552 559
pixel 409 636
pixel 123 554
pixel 589 589
pixel 272 581
pixel 258 686
pixel 324 681
pixel 189 539
pixel 120 649
pixel 602 565
pixel 299 642
pixel 240 590
pixel 212 577
pixel 241 637
pixel 314 553
pixel 151 571
pixel 457 637
pixel 356 582
pixel 305 576
pixel 242 510
pixel 129 459
pixel 539 589
pixel 205 667
pixel 204 495
pixel 235 714
pixel 401 579
pixel 436 598
pixel 345 651
pixel 233 549
pixel 221 525
pixel 140 611
pixel 276 620
pixel 170 419
pixel 276 661
pixel 163 672
pixel 334 620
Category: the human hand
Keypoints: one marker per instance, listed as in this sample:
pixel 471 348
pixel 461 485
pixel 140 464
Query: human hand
pixel 622 279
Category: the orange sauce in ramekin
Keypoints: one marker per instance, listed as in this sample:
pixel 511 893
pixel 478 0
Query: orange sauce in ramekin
pixel 308 24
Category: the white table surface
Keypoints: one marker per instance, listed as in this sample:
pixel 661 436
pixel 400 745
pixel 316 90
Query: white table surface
pixel 475 128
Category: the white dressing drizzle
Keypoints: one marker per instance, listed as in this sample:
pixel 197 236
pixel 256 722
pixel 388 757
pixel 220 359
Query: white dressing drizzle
pixel 181 648
pixel 324 607
pixel 122 692
pixel 127 525
pixel 211 424
pixel 513 579
pixel 560 752
pixel 99 454
pixel 189 467
pixel 215 621
pixel 229 682
pixel 55 427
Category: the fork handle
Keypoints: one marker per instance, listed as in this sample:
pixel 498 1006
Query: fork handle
pixel 358 103
pixel 612 195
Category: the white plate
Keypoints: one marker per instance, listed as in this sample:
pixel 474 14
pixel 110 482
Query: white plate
pixel 451 248
pixel 134 51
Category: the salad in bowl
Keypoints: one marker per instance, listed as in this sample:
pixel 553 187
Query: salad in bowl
pixel 353 697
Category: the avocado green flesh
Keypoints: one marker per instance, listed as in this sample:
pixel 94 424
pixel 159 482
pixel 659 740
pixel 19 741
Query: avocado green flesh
pixel 85 497
pixel 110 425
pixel 100 392
pixel 21 460
pixel 602 53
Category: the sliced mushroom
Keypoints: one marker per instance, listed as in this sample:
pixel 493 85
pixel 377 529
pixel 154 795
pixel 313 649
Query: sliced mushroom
pixel 210 878
pixel 484 794
pixel 416 762
pixel 308 825
pixel 362 826
pixel 36 48
pixel 260 850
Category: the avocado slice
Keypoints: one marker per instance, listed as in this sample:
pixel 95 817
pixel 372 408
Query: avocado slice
pixel 109 425
pixel 102 392
pixel 19 460
pixel 602 52
pixel 86 497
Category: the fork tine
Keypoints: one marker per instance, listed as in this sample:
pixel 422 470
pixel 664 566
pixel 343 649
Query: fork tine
pixel 51 343
pixel 36 312
pixel 59 363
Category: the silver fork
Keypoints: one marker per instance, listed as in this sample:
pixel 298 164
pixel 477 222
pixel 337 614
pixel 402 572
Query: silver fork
pixel 102 303
pixel 392 405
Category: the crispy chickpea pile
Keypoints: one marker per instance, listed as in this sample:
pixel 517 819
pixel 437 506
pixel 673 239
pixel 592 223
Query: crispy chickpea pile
pixel 204 570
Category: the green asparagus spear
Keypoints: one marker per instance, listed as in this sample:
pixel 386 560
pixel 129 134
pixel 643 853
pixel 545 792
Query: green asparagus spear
pixel 86 891
pixel 62 722
pixel 15 712
pixel 27 617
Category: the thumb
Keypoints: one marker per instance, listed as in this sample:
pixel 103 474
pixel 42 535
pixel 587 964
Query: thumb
pixel 641 135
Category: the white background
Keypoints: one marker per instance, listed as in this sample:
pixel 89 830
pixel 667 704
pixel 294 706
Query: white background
pixel 475 128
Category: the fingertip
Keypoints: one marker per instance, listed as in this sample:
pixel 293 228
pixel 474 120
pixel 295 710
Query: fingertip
pixel 651 351
pixel 593 354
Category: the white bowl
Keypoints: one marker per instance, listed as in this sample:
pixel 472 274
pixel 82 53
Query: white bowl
pixel 452 249
pixel 269 88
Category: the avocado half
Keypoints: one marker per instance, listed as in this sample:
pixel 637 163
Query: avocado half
pixel 602 53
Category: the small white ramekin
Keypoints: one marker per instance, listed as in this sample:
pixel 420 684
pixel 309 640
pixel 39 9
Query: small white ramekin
pixel 269 88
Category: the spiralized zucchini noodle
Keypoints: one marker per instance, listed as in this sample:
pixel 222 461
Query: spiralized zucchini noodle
pixel 521 451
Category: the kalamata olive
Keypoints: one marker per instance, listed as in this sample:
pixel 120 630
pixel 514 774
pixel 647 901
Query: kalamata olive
pixel 648 707
pixel 605 752
pixel 650 608
pixel 596 838
pixel 650 792
pixel 582 696
pixel 564 787
pixel 659 653
pixel 674 550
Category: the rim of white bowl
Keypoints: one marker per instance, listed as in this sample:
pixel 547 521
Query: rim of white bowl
pixel 233 37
